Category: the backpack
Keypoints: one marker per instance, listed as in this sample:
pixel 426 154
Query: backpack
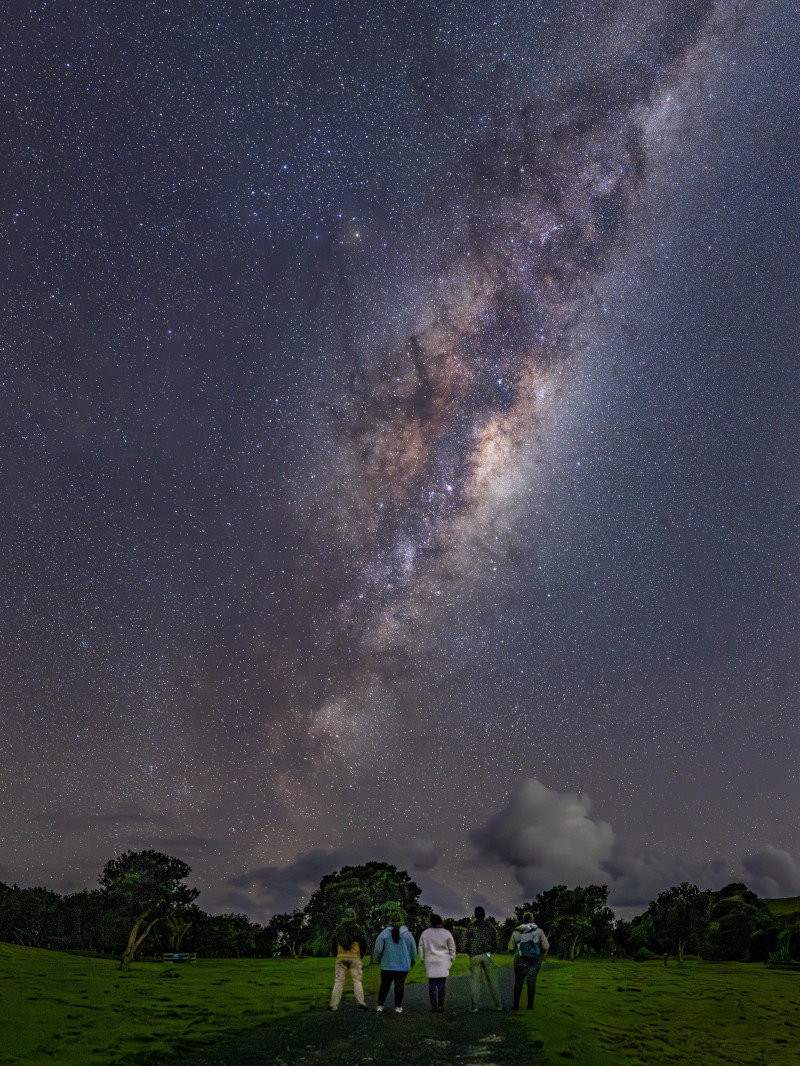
pixel 529 950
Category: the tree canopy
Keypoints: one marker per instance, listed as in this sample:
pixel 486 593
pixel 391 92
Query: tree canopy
pixel 575 920
pixel 372 890
pixel 145 887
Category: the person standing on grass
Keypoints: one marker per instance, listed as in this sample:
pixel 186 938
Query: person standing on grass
pixel 395 952
pixel 350 944
pixel 437 949
pixel 481 944
pixel 530 946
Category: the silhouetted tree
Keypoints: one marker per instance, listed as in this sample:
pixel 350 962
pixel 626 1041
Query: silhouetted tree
pixel 371 890
pixel 289 932
pixel 145 887
pixel 573 919
pixel 681 916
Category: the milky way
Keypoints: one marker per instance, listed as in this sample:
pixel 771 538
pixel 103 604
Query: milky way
pixel 399 447
pixel 427 430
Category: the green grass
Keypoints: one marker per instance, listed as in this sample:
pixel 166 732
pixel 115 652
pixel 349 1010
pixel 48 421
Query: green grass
pixel 787 905
pixel 623 1013
pixel 75 1010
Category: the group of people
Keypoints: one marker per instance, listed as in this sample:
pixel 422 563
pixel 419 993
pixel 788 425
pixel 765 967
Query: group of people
pixel 396 952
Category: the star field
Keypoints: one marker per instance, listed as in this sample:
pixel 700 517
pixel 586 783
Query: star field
pixel 399 404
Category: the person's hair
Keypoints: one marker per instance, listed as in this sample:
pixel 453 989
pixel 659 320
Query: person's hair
pixel 396 919
pixel 527 917
pixel 480 913
pixel 348 931
pixel 436 919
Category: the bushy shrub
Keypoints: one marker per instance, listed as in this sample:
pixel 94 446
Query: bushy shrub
pixel 643 954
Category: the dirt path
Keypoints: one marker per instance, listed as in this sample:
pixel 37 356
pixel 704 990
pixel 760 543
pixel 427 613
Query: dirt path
pixel 350 1037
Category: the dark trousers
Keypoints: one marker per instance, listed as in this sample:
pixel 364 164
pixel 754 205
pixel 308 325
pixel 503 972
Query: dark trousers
pixel 436 992
pixel 525 973
pixel 389 978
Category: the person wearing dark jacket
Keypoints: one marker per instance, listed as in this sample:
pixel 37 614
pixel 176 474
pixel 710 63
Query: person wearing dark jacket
pixel 481 944
pixel 350 945
pixel 530 946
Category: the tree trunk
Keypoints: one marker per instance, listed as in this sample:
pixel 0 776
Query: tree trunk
pixel 134 940
pixel 181 934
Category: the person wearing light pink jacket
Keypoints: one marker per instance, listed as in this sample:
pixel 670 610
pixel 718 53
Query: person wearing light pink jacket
pixel 437 949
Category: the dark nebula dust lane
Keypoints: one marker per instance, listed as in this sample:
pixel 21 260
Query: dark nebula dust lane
pixel 543 203
pixel 398 445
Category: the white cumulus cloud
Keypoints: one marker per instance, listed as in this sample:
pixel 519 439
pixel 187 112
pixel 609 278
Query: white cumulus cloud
pixel 548 838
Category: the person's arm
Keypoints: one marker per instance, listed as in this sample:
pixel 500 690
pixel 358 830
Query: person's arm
pixel 545 944
pixel 412 947
pixel 492 939
pixel 512 943
pixel 377 951
pixel 451 947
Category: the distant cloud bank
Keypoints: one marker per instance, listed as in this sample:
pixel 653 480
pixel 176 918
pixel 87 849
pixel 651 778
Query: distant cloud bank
pixel 548 837
pixel 542 837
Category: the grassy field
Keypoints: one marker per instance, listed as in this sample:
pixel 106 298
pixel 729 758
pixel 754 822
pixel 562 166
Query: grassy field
pixel 75 1011
pixel 622 1013
pixel 72 1010
pixel 787 905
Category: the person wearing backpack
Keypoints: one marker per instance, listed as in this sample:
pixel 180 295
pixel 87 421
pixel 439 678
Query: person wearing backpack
pixel 530 946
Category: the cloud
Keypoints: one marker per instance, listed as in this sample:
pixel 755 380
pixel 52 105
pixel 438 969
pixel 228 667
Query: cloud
pixel 277 889
pixel 548 838
pixel 773 872
pixel 635 878
pixel 82 823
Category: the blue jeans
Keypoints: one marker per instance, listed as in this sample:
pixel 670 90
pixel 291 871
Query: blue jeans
pixel 436 992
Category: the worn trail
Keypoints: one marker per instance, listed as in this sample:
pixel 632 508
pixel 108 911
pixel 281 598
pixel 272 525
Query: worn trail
pixel 413 1038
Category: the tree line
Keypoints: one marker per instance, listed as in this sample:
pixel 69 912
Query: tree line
pixel 143 905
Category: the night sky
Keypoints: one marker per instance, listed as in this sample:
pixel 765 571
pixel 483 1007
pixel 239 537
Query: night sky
pixel 398 444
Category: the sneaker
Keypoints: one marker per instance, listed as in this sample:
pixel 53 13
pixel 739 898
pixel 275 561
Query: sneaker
pixel 332 1007
pixel 474 1010
pixel 398 1010
pixel 440 1010
pixel 362 1006
pixel 379 1008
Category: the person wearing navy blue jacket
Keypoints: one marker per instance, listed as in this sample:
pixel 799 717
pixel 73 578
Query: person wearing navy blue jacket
pixel 395 952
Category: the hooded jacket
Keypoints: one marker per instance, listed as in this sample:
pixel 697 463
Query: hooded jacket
pixel 395 956
pixel 528 931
